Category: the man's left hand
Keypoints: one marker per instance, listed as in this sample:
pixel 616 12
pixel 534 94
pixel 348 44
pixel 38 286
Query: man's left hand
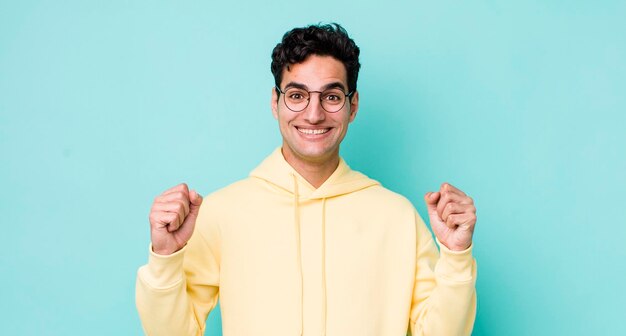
pixel 452 216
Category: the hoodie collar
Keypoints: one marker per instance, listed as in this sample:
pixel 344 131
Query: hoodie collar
pixel 275 170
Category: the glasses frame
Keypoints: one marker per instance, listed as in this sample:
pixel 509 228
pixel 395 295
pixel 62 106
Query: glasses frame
pixel 348 97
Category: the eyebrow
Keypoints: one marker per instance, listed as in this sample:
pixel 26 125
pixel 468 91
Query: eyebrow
pixel 332 85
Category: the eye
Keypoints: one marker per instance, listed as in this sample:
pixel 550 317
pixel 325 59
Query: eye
pixel 332 96
pixel 296 95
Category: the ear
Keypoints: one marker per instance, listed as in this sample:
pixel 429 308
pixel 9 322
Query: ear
pixel 274 103
pixel 354 105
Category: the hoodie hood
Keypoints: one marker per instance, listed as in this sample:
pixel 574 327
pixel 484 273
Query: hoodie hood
pixel 275 170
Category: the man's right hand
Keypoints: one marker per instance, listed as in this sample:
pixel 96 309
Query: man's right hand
pixel 172 219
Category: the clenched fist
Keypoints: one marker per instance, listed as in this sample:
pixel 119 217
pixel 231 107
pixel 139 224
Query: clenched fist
pixel 452 216
pixel 172 218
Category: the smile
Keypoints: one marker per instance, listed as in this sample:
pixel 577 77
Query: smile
pixel 312 131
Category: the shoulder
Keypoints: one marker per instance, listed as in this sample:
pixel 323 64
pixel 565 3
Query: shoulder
pixel 232 192
pixel 379 196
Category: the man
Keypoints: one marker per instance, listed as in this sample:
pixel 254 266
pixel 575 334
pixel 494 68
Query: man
pixel 305 245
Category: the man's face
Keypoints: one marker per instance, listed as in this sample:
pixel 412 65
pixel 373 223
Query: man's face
pixel 313 135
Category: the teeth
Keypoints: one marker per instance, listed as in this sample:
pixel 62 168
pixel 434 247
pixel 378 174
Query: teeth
pixel 313 131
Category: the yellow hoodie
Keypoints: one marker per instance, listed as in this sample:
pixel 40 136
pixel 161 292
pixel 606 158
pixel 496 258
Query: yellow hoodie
pixel 348 258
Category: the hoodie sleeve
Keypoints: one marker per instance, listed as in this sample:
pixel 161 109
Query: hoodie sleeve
pixel 175 293
pixel 444 295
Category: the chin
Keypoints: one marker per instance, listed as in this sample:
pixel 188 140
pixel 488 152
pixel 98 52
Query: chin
pixel 319 155
pixel 314 152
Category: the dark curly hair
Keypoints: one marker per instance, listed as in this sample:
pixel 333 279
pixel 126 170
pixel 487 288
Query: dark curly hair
pixel 322 40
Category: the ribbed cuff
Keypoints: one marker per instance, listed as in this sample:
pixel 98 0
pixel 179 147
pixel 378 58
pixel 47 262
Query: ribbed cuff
pixel 457 266
pixel 164 271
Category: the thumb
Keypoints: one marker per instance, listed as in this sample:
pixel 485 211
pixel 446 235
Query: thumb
pixel 195 200
pixel 431 199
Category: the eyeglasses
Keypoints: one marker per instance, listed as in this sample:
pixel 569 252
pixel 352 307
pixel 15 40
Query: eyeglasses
pixel 332 100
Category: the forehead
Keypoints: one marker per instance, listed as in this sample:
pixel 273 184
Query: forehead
pixel 315 71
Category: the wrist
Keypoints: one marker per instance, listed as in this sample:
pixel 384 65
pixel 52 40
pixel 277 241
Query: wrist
pixel 456 247
pixel 459 248
pixel 166 251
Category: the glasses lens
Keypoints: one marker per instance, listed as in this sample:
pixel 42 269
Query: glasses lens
pixel 333 100
pixel 296 99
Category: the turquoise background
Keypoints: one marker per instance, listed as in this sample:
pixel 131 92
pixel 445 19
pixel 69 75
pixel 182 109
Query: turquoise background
pixel 105 104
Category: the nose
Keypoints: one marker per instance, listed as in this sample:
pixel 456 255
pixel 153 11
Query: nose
pixel 314 113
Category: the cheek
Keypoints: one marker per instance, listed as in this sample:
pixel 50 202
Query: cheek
pixel 344 121
pixel 284 121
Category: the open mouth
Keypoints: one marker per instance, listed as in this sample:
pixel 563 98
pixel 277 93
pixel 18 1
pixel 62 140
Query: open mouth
pixel 310 131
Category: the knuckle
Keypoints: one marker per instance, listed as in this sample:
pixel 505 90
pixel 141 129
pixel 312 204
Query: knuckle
pixel 178 206
pixel 183 204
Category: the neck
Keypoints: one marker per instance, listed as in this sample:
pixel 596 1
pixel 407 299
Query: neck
pixel 316 173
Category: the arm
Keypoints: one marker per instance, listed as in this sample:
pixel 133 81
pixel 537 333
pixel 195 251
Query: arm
pixel 444 296
pixel 175 292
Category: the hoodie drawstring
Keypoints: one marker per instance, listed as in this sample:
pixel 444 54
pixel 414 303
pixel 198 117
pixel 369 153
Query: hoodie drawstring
pixel 323 266
pixel 296 212
pixel 296 202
